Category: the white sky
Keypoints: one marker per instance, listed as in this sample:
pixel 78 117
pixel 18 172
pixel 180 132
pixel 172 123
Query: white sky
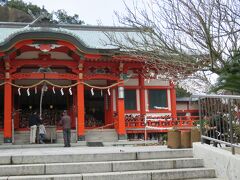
pixel 90 11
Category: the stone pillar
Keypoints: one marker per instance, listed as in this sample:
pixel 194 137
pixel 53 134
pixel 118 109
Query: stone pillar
pixel 80 112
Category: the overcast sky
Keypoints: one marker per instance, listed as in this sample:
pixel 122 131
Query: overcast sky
pixel 90 11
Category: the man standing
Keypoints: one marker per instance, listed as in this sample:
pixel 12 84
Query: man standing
pixel 33 122
pixel 66 123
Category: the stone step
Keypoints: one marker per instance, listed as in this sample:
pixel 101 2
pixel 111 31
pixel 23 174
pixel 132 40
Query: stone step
pixel 188 173
pixel 210 179
pixel 95 157
pixel 99 167
pixel 101 135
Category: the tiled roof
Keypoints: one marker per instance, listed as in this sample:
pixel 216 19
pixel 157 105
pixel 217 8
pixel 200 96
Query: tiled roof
pixel 93 37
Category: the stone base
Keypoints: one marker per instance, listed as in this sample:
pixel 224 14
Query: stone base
pixel 81 138
pixel 122 137
pixel 7 140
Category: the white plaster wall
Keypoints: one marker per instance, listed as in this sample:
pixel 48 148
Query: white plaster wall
pixel 28 55
pixel 226 165
pixel 133 114
pixel 27 70
pixel 193 106
pixel 97 82
pixel 158 114
pixel 169 100
pixel 30 82
pixel 34 55
pixel 156 82
pixel 60 55
pixel 181 106
pixel 138 99
pixel 114 100
pixel 131 82
pixel 146 100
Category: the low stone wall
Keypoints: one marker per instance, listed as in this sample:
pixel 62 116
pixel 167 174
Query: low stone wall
pixel 225 164
pixel 22 137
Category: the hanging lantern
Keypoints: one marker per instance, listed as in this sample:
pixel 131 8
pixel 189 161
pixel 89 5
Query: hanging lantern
pixel 35 90
pixel 109 93
pixel 101 93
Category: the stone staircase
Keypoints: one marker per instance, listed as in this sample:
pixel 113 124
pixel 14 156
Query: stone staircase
pixel 101 135
pixel 119 165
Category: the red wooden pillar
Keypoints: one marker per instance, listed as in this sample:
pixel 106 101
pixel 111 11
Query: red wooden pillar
pixel 80 112
pixel 142 96
pixel 121 113
pixel 110 115
pixel 105 109
pixel 173 100
pixel 7 112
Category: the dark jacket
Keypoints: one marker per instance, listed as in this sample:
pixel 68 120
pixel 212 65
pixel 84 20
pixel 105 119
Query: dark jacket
pixel 33 120
pixel 66 122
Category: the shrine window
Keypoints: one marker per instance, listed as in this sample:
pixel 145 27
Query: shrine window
pixel 130 99
pixel 157 98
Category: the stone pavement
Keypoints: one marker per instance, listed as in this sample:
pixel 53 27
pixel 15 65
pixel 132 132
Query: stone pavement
pixel 74 150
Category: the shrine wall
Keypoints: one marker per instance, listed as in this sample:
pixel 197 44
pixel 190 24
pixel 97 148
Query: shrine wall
pixel 182 106
pixel 131 82
pixel 193 106
pixel 169 100
pixel 97 82
pixel 138 100
pixel 30 82
pixel 114 100
pixel 156 82
pixel 35 55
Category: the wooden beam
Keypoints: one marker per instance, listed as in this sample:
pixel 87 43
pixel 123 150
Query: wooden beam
pixel 62 76
pixel 43 63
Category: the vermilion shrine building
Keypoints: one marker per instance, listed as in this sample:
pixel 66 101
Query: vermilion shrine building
pixel 80 74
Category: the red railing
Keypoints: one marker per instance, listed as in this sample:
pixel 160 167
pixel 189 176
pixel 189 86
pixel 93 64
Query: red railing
pixel 161 123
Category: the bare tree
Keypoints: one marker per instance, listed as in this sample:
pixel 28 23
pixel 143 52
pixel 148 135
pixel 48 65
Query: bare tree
pixel 180 37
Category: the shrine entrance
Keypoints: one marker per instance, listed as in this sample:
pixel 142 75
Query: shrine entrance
pixel 94 108
pixel 53 105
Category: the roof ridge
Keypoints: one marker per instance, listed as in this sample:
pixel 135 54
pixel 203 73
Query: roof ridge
pixel 73 26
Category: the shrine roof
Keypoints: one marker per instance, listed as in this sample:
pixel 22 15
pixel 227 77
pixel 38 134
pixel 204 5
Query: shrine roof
pixel 186 99
pixel 89 37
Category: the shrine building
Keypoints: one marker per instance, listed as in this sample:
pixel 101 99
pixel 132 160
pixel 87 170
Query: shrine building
pixel 51 68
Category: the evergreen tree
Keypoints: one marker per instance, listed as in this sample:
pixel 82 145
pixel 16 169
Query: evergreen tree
pixel 229 78
pixel 180 92
pixel 60 16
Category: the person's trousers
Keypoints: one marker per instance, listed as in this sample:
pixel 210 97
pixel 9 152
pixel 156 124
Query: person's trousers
pixel 67 137
pixel 41 138
pixel 33 130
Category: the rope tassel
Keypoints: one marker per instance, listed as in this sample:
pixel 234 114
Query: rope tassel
pixel 70 91
pixel 28 92
pixel 19 91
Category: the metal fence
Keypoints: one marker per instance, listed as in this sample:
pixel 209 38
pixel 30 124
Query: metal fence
pixel 219 119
